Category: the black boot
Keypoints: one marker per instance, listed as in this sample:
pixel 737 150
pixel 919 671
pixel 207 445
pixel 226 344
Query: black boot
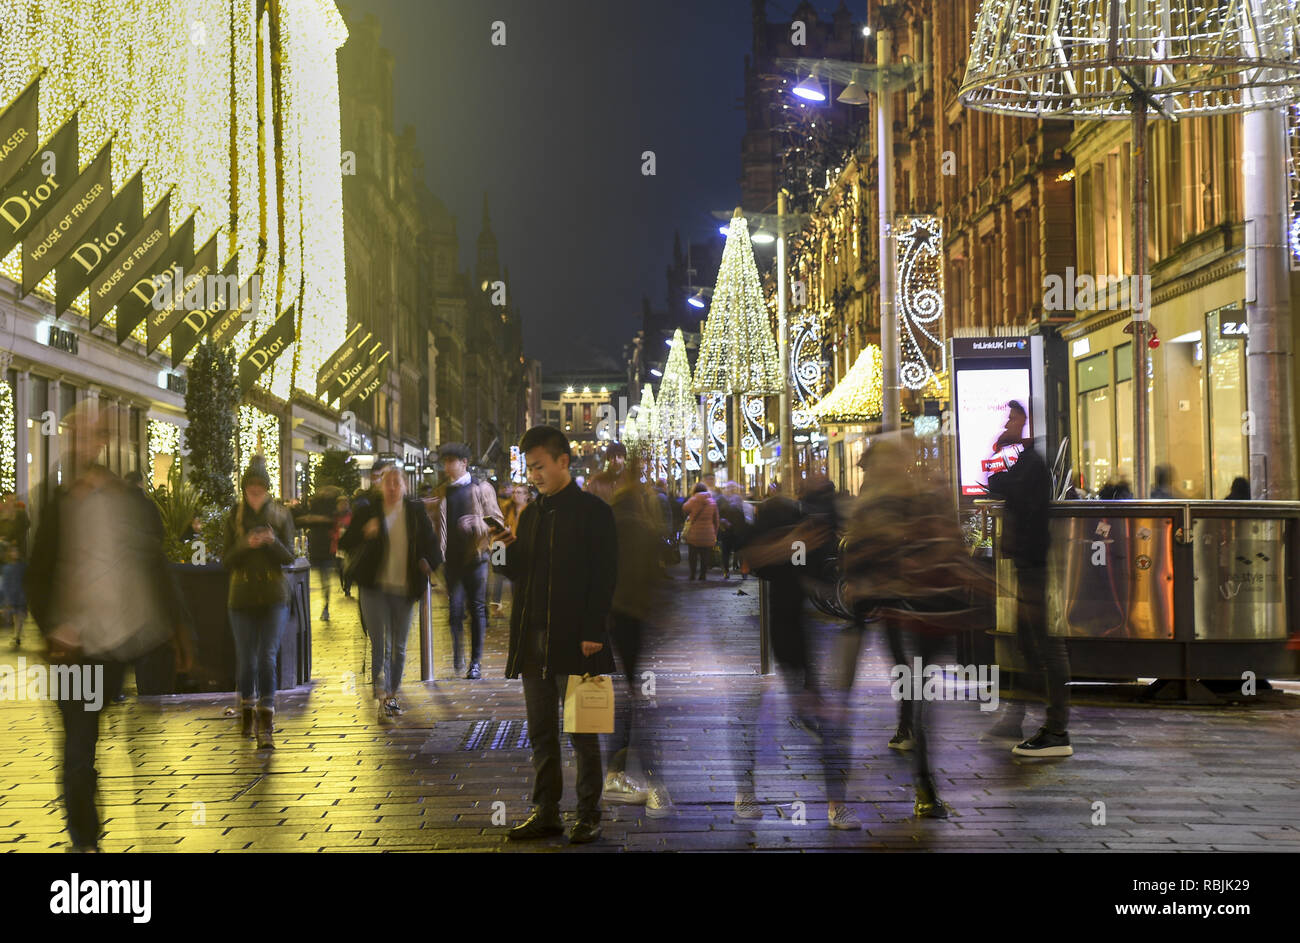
pixel 928 804
pixel 248 719
pixel 265 728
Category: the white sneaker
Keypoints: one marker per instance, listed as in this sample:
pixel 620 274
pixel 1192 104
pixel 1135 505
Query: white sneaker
pixel 621 788
pixel 658 803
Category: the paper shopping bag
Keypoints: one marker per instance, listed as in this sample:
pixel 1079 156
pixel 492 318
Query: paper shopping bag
pixel 589 704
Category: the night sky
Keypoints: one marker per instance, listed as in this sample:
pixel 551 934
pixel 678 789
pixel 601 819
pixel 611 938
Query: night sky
pixel 552 125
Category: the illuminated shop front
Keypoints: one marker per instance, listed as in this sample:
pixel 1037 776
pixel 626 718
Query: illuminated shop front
pixel 250 88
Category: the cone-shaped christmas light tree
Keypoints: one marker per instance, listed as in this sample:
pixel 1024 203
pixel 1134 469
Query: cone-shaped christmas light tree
pixel 677 404
pixel 648 432
pixel 738 352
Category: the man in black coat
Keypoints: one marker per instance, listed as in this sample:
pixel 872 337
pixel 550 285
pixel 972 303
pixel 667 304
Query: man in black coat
pixel 563 562
pixel 1026 487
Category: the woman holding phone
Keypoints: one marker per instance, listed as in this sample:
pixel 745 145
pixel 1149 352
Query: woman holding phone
pixel 257 546
pixel 393 549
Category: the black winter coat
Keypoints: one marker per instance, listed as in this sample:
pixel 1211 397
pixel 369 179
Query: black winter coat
pixel 577 530
pixel 366 556
pixel 1026 487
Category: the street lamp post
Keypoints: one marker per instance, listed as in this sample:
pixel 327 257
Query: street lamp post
pixel 890 405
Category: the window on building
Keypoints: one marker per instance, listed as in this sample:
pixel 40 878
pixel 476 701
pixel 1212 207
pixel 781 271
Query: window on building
pixel 1226 364
pixel 1096 429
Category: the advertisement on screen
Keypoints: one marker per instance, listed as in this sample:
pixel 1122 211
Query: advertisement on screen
pixel 981 400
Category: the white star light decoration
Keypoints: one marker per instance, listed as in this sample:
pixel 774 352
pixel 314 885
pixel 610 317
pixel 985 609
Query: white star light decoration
pixel 919 299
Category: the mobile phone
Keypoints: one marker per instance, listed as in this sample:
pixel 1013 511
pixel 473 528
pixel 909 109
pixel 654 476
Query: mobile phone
pixel 495 526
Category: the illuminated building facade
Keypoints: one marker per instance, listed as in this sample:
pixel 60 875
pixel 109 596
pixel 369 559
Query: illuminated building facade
pixel 231 107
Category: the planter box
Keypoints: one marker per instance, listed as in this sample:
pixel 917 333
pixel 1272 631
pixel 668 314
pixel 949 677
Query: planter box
pixel 204 590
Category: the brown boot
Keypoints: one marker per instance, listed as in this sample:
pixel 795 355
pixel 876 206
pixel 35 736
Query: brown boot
pixel 248 719
pixel 265 728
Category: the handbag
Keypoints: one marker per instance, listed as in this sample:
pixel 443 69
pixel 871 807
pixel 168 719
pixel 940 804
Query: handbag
pixel 686 527
pixel 589 704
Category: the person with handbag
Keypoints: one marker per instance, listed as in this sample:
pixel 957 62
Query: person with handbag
pixel 102 594
pixel 701 529
pixel 258 545
pixel 465 516
pixel 564 561
pixel 393 553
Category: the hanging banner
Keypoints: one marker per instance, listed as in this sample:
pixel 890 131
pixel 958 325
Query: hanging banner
pixel 366 355
pixel 140 252
pixel 19 127
pixel 184 289
pixel 267 347
pixel 136 303
pixel 381 375
pixel 346 352
pixel 30 196
pixel 372 376
pixel 72 216
pixel 225 326
pixel 194 322
pixel 115 224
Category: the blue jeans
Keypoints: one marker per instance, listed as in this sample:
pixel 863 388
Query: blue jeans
pixel 388 621
pixel 257 643
pixel 462 584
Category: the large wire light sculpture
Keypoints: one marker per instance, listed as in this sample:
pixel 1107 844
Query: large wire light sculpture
pixel 1133 59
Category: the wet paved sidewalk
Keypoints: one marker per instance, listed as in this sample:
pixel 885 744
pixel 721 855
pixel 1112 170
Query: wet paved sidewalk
pixel 454 771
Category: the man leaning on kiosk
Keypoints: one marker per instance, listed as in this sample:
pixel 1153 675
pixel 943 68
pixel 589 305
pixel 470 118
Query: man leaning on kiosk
pixel 1026 487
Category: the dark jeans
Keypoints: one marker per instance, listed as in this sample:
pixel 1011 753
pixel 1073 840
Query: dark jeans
pixel 1044 654
pixel 80 738
pixel 325 568
pixel 702 555
pixel 467 584
pixel 630 719
pixel 727 544
pixel 915 718
pixel 544 699
pixel 257 642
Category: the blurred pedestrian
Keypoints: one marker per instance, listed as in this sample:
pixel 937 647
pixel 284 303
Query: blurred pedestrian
pixel 14 525
pixel 1026 488
pixel 637 526
pixel 1240 490
pixel 465 517
pixel 603 483
pixel 258 545
pixel 731 525
pixel 342 517
pixel 906 566
pixel 318 518
pixel 394 553
pixel 517 499
pixel 701 529
pixel 773 553
pixel 103 596
pixel 1163 486
pixel 565 559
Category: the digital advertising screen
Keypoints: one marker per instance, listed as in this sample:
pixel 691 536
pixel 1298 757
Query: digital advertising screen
pixel 982 393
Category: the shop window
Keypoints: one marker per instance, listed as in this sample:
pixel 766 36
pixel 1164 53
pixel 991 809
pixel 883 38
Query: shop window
pixel 1226 364
pixel 1096 422
pixel 1182 413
